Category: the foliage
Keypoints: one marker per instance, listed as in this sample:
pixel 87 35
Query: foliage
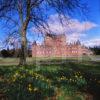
pixel 61 81
pixel 6 53
pixel 96 50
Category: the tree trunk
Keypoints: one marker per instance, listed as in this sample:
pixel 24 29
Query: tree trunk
pixel 23 52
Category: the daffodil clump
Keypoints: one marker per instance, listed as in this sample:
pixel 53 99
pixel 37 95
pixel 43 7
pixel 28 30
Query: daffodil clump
pixel 80 80
pixel 26 83
pixel 75 78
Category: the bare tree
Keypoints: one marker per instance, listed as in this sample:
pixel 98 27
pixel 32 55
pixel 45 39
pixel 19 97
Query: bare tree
pixel 20 15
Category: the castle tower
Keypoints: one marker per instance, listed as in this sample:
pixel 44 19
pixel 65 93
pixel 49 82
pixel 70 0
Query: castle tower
pixel 51 39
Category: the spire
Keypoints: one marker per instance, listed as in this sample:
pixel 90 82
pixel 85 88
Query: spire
pixel 34 43
pixel 78 42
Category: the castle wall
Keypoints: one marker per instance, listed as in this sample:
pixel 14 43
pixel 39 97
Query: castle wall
pixel 57 47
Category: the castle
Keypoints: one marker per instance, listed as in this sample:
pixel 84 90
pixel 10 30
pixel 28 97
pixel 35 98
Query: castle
pixel 56 46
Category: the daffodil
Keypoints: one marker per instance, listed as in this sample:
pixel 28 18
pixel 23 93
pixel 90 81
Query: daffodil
pixel 14 79
pixel 30 89
pixel 35 89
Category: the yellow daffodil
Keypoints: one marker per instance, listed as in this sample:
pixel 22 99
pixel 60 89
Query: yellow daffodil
pixel 35 89
pixel 30 89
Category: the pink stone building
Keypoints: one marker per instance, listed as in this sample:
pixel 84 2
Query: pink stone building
pixel 56 46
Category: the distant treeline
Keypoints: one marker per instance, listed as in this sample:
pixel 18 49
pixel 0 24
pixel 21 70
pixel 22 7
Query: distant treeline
pixel 13 53
pixel 96 50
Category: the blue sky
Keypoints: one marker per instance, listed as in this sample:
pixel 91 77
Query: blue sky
pixel 94 16
pixel 87 31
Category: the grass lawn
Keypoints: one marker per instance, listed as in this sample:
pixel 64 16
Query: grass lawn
pixel 14 61
pixel 53 79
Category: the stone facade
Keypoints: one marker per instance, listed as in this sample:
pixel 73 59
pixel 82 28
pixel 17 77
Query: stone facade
pixel 56 46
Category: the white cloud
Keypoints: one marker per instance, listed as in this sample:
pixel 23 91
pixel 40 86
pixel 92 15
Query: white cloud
pixel 92 42
pixel 74 37
pixel 72 27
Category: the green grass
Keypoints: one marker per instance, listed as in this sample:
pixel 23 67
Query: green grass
pixel 14 61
